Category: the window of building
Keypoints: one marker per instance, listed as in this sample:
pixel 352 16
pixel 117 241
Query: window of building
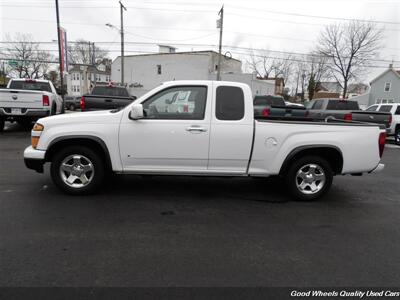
pixel 185 102
pixel 78 88
pixel 158 69
pixel 229 103
pixel 388 86
pixel 77 76
pixel 73 76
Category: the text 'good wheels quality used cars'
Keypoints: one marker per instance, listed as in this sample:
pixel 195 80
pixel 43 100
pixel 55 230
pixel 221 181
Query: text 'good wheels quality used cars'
pixel 219 135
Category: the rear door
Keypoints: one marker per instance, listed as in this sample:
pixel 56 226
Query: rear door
pixel 232 124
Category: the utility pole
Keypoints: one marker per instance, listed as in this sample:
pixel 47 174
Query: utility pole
pixel 59 53
pixel 220 25
pixel 122 8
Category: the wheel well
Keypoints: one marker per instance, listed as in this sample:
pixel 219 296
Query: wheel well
pixel 332 155
pixel 96 145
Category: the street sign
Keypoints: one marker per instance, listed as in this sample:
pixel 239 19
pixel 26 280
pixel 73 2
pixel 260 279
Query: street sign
pixel 13 63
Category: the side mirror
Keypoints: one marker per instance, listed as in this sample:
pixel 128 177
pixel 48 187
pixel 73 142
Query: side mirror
pixel 136 112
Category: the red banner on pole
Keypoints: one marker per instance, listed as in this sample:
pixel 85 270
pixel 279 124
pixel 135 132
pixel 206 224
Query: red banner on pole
pixel 64 50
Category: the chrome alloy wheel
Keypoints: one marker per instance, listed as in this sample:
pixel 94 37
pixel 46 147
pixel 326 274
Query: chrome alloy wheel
pixel 310 179
pixel 76 171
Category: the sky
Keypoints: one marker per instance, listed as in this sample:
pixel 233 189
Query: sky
pixel 277 26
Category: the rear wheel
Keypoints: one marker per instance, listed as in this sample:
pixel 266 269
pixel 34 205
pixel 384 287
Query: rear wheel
pixel 309 178
pixel 77 170
pixel 397 135
pixel 71 107
pixel 25 123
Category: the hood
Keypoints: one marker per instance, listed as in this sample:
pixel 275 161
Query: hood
pixel 101 116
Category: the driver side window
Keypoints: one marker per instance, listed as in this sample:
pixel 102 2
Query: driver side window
pixel 185 102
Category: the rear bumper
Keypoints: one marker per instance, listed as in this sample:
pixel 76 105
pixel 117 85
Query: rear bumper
pixel 34 159
pixel 25 112
pixel 378 168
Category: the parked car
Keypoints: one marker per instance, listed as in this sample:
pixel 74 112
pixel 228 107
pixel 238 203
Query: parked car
pixel 394 110
pixel 347 110
pixel 105 97
pixel 72 102
pixel 220 137
pixel 26 100
pixel 269 106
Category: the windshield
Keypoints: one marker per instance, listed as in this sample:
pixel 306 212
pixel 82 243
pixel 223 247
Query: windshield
pixel 30 85
pixel 110 91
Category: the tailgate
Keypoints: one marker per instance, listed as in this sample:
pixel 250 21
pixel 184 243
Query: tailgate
pixel 372 117
pixel 21 99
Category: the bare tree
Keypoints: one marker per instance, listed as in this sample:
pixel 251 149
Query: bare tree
pixel 32 62
pixel 261 63
pixel 85 52
pixel 349 47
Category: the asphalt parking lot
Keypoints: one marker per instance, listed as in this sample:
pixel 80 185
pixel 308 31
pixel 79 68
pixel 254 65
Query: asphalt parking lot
pixel 183 231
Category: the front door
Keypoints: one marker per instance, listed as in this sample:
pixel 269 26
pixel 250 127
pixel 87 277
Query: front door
pixel 169 137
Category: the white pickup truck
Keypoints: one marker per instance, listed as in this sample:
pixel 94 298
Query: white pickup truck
pixel 219 137
pixel 26 100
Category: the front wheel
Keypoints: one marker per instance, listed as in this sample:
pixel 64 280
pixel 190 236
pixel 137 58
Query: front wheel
pixel 397 135
pixel 309 178
pixel 77 170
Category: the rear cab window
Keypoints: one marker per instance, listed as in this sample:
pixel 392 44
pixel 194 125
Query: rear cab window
pixel 229 103
pixel 110 91
pixel 397 112
pixel 30 85
pixel 385 108
pixel 269 100
pixel 342 105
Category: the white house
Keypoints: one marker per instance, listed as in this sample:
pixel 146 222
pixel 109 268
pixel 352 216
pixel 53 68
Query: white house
pixel 145 71
pixel 82 78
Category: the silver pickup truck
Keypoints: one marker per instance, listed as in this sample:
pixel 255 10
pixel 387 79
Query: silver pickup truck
pixel 347 110
pixel 26 100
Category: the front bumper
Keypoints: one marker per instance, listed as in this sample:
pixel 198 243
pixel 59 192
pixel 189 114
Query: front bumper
pixel 34 159
pixel 379 168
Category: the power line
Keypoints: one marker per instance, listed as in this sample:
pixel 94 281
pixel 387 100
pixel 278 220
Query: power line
pixel 209 45
pixel 207 11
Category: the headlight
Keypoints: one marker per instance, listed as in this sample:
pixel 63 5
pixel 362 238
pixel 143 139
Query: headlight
pixel 35 134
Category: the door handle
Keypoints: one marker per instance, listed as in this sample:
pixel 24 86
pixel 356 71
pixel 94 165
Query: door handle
pixel 196 129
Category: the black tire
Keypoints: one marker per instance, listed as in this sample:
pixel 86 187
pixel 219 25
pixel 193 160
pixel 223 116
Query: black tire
pixel 96 178
pixel 293 180
pixel 397 135
pixel 53 110
pixel 71 107
pixel 25 123
pixel 2 124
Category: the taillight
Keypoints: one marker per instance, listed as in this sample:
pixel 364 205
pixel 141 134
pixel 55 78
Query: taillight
pixel 348 117
pixel 390 120
pixel 307 114
pixel 381 142
pixel 45 100
pixel 185 108
pixel 82 103
pixel 266 112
